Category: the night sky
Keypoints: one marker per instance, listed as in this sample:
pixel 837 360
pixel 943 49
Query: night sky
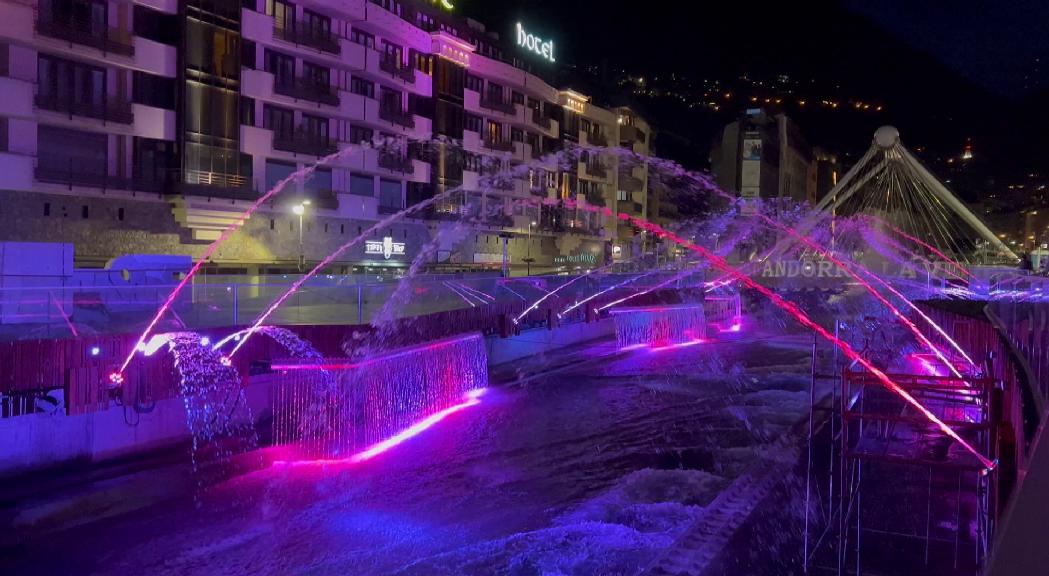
pixel 946 71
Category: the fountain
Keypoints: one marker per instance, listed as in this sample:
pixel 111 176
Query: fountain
pixel 341 408
pixel 659 325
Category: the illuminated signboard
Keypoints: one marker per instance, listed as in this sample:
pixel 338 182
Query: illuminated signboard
pixel 385 248
pixel 534 43
pixel 582 258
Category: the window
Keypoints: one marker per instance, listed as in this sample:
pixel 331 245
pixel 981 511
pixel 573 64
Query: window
pixel 211 49
pixel 156 91
pixel 47 208
pixel 362 185
pixel 84 213
pixel 120 214
pixel 63 84
pixel 61 151
pixel 319 76
pixel 495 92
pixel 516 97
pixel 247 54
pixel 283 13
pixel 3 134
pixel 277 171
pixel 494 132
pixel 363 87
pixel 280 120
pixel 314 128
pixel 319 185
pixel 155 25
pixel 363 38
pixel 360 134
pixel 472 122
pixel 390 194
pixel 281 66
pixel 474 82
pixel 247 111
pixel 393 51
pixel 516 134
pixel 317 25
pixel 152 160
pixel 390 99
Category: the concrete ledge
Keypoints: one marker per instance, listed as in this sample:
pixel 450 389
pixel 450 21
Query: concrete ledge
pixel 541 340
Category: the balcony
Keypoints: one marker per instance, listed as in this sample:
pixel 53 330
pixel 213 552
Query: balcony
pixel 595 199
pixel 389 208
pixel 326 199
pixel 303 89
pixel 539 120
pixel 630 207
pixel 111 110
pixel 322 40
pixel 60 26
pixel 498 145
pixel 396 116
pixel 498 104
pixel 394 67
pixel 597 139
pixel 302 142
pixel 631 134
pixel 595 169
pixel 77 172
pixel 540 191
pixel 628 183
pixel 396 162
pixel 500 220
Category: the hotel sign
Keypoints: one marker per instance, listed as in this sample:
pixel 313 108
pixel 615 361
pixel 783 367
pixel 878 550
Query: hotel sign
pixel 386 248
pixel 529 41
pixel 581 258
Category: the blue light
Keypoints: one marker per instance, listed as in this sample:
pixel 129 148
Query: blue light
pixel 204 341
pixel 95 350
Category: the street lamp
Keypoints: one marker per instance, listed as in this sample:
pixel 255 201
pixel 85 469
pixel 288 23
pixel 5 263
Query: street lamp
pixel 528 250
pixel 299 210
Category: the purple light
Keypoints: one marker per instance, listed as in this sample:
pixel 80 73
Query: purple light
pixel 95 350
pixel 678 345
pixel 551 293
pixel 473 398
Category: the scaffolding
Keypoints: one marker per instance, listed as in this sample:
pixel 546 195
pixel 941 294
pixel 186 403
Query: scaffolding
pixel 887 491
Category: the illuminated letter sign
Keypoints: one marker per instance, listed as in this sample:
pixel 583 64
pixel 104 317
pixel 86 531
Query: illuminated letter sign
pixel 385 247
pixel 535 43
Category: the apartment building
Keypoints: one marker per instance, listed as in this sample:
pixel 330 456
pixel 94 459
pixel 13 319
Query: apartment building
pixel 148 127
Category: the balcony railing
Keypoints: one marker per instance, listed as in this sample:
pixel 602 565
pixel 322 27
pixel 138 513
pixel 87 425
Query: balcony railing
pixel 630 134
pixel 628 183
pixel 498 145
pixel 396 162
pixel 111 110
pixel 539 120
pixel 498 104
pixel 597 139
pixel 86 33
pixel 397 116
pixel 302 142
pixel 326 199
pixel 500 220
pixel 539 191
pixel 298 33
pixel 629 206
pixel 390 208
pixel 303 89
pixel 595 199
pixel 596 169
pixel 394 67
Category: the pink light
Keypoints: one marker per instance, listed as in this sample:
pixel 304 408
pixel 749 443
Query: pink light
pixel 210 250
pixel 591 297
pixel 64 316
pixel 552 292
pixel 678 345
pixel 476 291
pixel 396 353
pixel 792 309
pixel 923 244
pixel 473 398
pixel 449 286
pixel 735 328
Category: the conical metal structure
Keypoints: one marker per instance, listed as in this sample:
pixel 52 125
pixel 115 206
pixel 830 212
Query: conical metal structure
pixel 891 184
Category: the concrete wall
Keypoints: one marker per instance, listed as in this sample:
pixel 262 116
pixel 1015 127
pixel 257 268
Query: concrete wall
pixel 44 440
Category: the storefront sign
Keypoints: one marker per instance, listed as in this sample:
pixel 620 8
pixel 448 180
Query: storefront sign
pixel 386 248
pixel 534 43
pixel 582 258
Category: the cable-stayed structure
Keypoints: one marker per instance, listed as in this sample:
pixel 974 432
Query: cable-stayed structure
pixel 891 185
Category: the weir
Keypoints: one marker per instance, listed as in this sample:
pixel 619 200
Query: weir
pixel 659 325
pixel 337 408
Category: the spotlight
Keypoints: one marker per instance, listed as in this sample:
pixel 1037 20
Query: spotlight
pixel 116 378
pixel 95 350
pixel 204 341
pixel 225 361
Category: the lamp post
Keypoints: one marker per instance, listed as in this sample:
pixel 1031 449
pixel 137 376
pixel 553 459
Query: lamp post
pixel 528 250
pixel 300 209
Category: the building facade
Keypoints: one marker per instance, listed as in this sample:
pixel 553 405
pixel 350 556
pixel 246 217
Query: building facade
pixel 149 127
pixel 764 155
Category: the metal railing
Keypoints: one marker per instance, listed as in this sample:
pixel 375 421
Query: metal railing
pixel 110 110
pixel 397 116
pixel 304 143
pixel 395 67
pixel 499 145
pixel 298 33
pixel 595 169
pixel 305 89
pixel 86 33
pixel 396 162
pixel 499 105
